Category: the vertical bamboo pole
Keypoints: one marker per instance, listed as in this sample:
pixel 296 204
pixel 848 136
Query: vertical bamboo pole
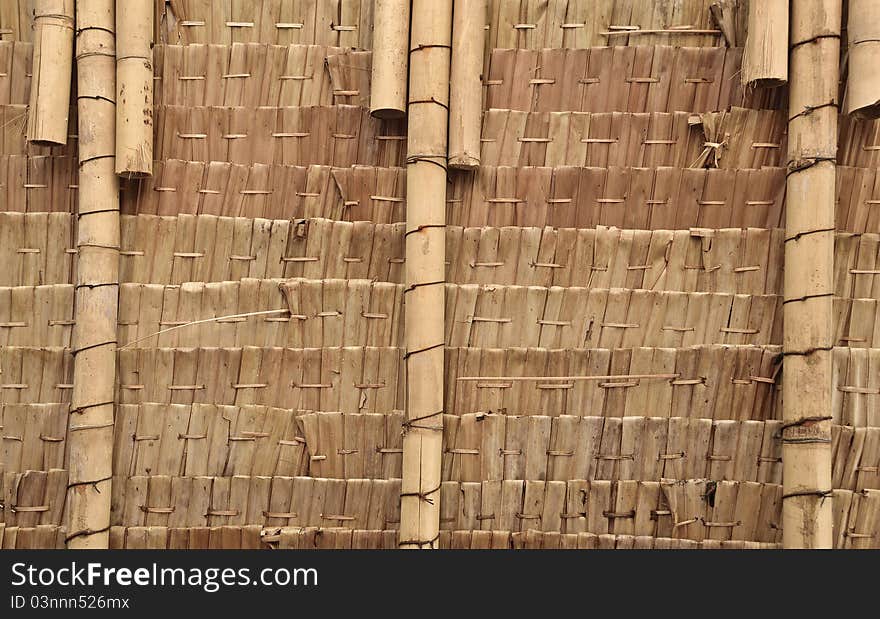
pixel 425 271
pixel 90 432
pixel 51 72
pixel 809 269
pixel 863 33
pixel 134 88
pixel 466 87
pixel 765 60
pixel 390 58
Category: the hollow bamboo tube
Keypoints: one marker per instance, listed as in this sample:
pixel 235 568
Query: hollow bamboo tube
pixel 51 72
pixel 863 85
pixel 465 86
pixel 390 58
pixel 134 88
pixel 90 432
pixel 809 270
pixel 425 291
pixel 765 59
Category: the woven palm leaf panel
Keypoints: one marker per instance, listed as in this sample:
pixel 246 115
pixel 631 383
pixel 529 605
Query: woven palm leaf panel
pixel 15 20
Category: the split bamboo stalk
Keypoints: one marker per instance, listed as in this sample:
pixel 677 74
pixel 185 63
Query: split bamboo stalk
pixel 390 58
pixel 134 88
pixel 425 292
pixel 863 85
pixel 90 437
pixel 765 60
pixel 809 273
pixel 466 87
pixel 51 72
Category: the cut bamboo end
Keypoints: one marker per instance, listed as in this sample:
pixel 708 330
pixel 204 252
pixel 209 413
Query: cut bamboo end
pixel 51 70
pixel 390 58
pixel 863 85
pixel 765 60
pixel 465 87
pixel 134 88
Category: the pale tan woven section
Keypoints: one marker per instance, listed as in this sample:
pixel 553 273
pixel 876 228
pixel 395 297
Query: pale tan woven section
pixel 204 439
pixel 33 498
pixel 41 537
pixel 15 70
pixel 345 23
pixel 35 375
pixel 621 79
pixel 160 500
pixel 15 20
pixel 338 135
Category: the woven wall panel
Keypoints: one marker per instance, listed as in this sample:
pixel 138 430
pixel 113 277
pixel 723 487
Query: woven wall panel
pixel 38 183
pixel 35 248
pixel 211 249
pixel 346 23
pixel 32 498
pixel 625 139
pixel 188 538
pixel 340 379
pixel 165 501
pixel 35 375
pixel 34 437
pixel 496 447
pixel 622 79
pixel 538 24
pixel 202 439
pixel 13 128
pixel 15 20
pixel 316 538
pixel 340 135
pixel 15 71
pixel 637 198
pixel 247 74
pixel 703 382
pixel 41 537
pixel 225 249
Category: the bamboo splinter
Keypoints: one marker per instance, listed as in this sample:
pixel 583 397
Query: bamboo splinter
pixel 425 292
pixel 134 88
pixel 390 58
pixel 90 436
pixel 52 70
pixel 809 274
pixel 466 87
pixel 863 85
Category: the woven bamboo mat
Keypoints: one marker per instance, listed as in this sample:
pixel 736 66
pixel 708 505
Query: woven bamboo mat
pixel 344 23
pixel 41 537
pixel 205 439
pixel 161 500
pixel 33 498
pixel 15 20
pixel 622 79
pixel 15 71
pixel 35 375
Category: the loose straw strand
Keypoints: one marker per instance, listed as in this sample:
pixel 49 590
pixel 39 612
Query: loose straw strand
pixel 200 322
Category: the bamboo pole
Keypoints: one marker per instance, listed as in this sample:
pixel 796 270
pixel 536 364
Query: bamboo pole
pixel 863 85
pixel 809 273
pixel 134 88
pixel 425 291
pixel 465 86
pixel 90 431
pixel 390 58
pixel 765 60
pixel 51 72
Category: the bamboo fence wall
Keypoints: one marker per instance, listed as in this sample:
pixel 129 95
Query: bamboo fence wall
pixel 614 267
